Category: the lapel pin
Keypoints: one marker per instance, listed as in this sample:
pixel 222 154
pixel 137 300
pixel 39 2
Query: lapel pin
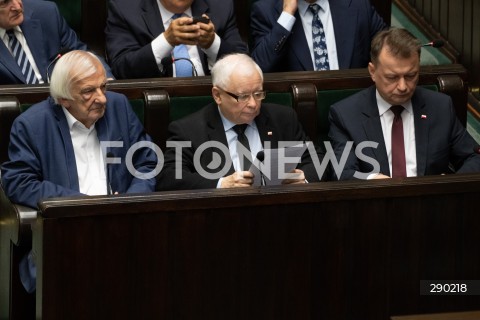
pixel 269 133
pixel 424 116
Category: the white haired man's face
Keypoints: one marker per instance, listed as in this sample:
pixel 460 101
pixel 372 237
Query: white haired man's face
pixel 89 101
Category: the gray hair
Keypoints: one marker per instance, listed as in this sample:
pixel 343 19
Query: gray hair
pixel 70 68
pixel 233 63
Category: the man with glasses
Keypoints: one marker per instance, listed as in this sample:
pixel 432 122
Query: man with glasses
pixel 58 147
pixel 208 142
pixel 33 35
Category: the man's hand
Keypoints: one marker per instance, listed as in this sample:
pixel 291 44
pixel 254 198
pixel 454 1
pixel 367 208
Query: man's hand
pixel 207 34
pixel 238 179
pixel 290 6
pixel 295 177
pixel 183 31
pixel 380 176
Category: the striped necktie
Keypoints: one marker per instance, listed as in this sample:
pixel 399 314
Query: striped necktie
pixel 183 67
pixel 320 53
pixel 21 58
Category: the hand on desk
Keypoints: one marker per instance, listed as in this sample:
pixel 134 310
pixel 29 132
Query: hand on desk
pixel 238 179
pixel 295 177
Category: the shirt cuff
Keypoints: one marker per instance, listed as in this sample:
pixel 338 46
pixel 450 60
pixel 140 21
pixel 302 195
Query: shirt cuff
pixel 212 52
pixel 161 49
pixel 286 20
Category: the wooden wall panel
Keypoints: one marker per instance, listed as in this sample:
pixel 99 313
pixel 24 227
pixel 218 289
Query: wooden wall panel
pixel 457 21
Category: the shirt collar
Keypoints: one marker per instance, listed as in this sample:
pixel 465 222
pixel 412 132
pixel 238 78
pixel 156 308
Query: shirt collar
pixel 384 106
pixel 227 124
pixel 4 31
pixel 167 15
pixel 72 121
pixel 303 6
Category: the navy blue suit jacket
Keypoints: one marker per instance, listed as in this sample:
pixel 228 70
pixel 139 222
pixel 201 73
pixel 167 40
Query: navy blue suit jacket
pixel 46 33
pixel 42 161
pixel 132 25
pixel 355 22
pixel 275 123
pixel 440 138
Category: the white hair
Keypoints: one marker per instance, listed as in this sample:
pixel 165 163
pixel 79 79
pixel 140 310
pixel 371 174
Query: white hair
pixel 70 68
pixel 233 63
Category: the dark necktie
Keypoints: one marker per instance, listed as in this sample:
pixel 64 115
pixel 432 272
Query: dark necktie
pixel 398 144
pixel 21 58
pixel 183 67
pixel 320 53
pixel 242 139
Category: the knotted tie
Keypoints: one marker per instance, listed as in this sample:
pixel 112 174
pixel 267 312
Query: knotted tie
pixel 242 139
pixel 320 53
pixel 183 68
pixel 398 144
pixel 21 58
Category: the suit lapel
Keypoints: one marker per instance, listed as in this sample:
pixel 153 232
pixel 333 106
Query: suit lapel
pixel 152 17
pixel 8 61
pixel 266 131
pixel 215 132
pixel 373 130
pixel 421 132
pixel 67 145
pixel 344 23
pixel 299 43
pixel 35 39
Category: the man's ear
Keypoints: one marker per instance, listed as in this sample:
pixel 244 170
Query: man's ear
pixel 216 95
pixel 64 103
pixel 371 70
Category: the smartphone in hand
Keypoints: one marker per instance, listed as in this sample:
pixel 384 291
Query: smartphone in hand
pixel 201 19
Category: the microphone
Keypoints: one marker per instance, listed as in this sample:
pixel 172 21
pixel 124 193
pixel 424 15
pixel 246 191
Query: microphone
pixel 58 56
pixel 261 156
pixel 108 173
pixel 168 62
pixel 437 43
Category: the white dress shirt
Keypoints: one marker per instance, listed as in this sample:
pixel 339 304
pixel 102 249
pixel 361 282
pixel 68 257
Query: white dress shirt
pixel 253 140
pixel 386 119
pixel 91 171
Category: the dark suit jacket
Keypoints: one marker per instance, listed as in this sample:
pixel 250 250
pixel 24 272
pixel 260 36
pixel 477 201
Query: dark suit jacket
pixel 42 161
pixel 440 138
pixel 206 125
pixel 46 33
pixel 355 22
pixel 132 25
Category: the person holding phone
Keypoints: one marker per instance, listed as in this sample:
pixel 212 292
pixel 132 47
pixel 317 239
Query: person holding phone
pixel 169 37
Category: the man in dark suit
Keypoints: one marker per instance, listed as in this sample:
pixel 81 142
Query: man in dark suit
pixel 210 133
pixel 42 33
pixel 142 36
pixel 283 39
pixel 410 131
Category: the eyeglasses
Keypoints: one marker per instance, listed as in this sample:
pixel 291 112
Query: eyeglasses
pixel 243 98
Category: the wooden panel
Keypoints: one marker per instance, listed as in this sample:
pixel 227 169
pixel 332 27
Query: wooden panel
pixel 335 250
pixel 457 21
pixel 473 315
